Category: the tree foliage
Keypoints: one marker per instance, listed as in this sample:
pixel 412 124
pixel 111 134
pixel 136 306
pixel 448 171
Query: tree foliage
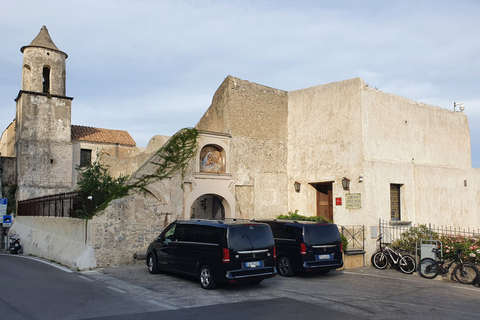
pixel 97 188
pixel 97 183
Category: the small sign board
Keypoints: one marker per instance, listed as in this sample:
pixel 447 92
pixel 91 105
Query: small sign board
pixel 3 206
pixel 7 221
pixel 353 201
pixel 338 201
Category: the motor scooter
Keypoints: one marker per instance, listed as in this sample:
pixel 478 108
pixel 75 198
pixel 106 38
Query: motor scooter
pixel 15 245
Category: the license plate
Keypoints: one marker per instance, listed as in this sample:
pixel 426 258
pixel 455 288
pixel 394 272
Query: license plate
pixel 252 264
pixel 324 257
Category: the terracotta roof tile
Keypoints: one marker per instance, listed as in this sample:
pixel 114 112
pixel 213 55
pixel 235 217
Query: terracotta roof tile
pixel 83 133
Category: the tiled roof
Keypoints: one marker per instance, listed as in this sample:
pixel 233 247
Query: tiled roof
pixel 91 134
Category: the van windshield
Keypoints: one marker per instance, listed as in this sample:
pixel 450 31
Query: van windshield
pixel 250 237
pixel 321 234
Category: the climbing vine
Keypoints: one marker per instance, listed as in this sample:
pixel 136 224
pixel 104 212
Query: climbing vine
pixel 97 188
pixel 174 156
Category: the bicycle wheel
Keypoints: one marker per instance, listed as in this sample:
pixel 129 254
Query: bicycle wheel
pixel 465 273
pixel 379 260
pixel 427 268
pixel 407 264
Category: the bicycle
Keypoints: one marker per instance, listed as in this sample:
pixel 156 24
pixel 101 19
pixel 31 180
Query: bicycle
pixel 464 272
pixel 394 257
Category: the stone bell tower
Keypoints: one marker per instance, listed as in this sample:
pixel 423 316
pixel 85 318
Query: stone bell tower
pixel 43 122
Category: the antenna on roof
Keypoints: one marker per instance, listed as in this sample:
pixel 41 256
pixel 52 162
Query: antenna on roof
pixel 460 106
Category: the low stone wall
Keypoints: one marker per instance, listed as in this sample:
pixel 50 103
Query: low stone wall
pixel 127 227
pixel 58 239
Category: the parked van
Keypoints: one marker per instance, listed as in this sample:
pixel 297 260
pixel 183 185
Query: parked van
pixel 306 246
pixel 215 251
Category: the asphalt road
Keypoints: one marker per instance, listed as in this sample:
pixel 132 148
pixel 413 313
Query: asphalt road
pixel 33 290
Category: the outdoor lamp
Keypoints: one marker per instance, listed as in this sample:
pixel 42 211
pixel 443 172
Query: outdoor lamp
pixel 346 183
pixel 297 185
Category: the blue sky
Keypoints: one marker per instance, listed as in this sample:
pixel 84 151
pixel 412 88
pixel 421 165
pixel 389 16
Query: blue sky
pixel 151 66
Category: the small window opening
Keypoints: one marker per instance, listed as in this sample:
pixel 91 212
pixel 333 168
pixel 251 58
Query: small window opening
pixel 85 157
pixel 395 202
pixel 46 80
pixel 51 161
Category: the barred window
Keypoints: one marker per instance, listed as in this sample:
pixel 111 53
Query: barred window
pixel 395 202
pixel 85 157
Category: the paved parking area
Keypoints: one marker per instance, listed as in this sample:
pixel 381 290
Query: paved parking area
pixel 365 292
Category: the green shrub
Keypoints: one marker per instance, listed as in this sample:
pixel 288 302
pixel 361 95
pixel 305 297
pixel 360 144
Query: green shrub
pixel 295 216
pixel 409 238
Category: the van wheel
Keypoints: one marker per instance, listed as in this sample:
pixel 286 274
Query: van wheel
pixel 206 278
pixel 284 267
pixel 152 264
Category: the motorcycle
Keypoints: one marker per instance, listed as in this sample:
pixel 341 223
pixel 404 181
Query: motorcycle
pixel 14 244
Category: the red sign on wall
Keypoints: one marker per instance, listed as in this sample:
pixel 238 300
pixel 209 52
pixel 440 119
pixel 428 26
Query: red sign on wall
pixel 338 201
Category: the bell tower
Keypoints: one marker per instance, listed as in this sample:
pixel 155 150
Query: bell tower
pixel 43 122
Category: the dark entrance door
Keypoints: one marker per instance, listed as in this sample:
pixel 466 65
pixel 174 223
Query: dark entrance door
pixel 208 206
pixel 324 200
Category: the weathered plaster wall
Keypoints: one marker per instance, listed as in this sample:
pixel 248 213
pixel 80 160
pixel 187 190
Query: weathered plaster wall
pixel 396 129
pixel 58 239
pixel 324 143
pixel 7 142
pixel 447 196
pixel 34 59
pixel 256 118
pixel 132 158
pixel 44 149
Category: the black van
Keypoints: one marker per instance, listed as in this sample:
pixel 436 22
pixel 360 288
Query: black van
pixel 215 251
pixel 306 246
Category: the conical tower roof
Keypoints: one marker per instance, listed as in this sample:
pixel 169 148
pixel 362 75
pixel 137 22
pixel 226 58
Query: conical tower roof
pixel 43 40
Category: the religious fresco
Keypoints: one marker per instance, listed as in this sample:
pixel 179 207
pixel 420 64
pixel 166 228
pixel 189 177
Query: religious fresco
pixel 211 159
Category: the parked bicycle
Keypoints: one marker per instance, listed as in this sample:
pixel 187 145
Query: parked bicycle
pixel 464 272
pixel 393 256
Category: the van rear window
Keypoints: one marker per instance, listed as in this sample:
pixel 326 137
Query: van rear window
pixel 250 237
pixel 321 234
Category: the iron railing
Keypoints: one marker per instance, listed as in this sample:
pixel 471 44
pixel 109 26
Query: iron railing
pixel 61 205
pixel 355 236
pixel 393 230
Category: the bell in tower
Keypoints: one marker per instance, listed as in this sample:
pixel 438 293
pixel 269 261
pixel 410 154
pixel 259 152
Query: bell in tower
pixel 43 66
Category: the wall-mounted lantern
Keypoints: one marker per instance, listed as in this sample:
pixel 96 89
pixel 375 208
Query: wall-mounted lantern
pixel 297 185
pixel 346 183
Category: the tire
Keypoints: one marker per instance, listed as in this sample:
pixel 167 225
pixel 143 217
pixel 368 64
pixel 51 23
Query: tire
pixel 407 264
pixel 427 268
pixel 152 264
pixel 380 260
pixel 206 278
pixel 465 273
pixel 284 267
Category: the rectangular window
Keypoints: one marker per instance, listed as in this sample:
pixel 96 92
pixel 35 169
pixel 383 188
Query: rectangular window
pixel 184 232
pixel 395 202
pixel 85 157
pixel 206 234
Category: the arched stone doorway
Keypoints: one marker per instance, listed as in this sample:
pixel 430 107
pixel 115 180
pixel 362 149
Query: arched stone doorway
pixel 208 206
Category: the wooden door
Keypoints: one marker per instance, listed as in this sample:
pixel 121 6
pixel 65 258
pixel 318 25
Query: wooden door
pixel 324 200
